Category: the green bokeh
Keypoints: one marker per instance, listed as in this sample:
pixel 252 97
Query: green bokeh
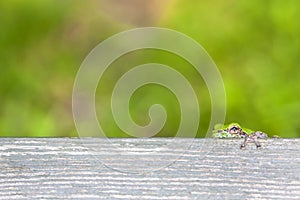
pixel 255 44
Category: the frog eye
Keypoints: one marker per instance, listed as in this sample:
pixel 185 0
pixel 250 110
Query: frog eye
pixel 234 128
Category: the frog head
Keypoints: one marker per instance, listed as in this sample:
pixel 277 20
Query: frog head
pixel 232 130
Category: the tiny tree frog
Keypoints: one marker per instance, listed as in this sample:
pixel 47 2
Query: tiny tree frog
pixel 234 130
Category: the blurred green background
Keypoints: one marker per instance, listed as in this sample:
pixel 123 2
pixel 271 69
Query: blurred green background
pixel 255 44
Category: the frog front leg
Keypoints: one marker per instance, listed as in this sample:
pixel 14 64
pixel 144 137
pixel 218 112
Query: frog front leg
pixel 249 138
pixel 254 138
pixel 246 140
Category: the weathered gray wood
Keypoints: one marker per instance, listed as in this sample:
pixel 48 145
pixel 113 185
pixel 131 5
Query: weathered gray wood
pixel 62 168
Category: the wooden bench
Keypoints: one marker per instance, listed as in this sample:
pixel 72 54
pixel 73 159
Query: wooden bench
pixel 153 168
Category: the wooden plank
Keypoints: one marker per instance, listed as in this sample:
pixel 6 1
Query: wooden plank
pixel 153 168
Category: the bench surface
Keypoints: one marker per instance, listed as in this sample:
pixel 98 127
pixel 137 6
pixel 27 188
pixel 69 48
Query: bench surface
pixel 148 168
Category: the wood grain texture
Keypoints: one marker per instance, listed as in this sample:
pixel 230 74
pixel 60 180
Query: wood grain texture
pixel 70 168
